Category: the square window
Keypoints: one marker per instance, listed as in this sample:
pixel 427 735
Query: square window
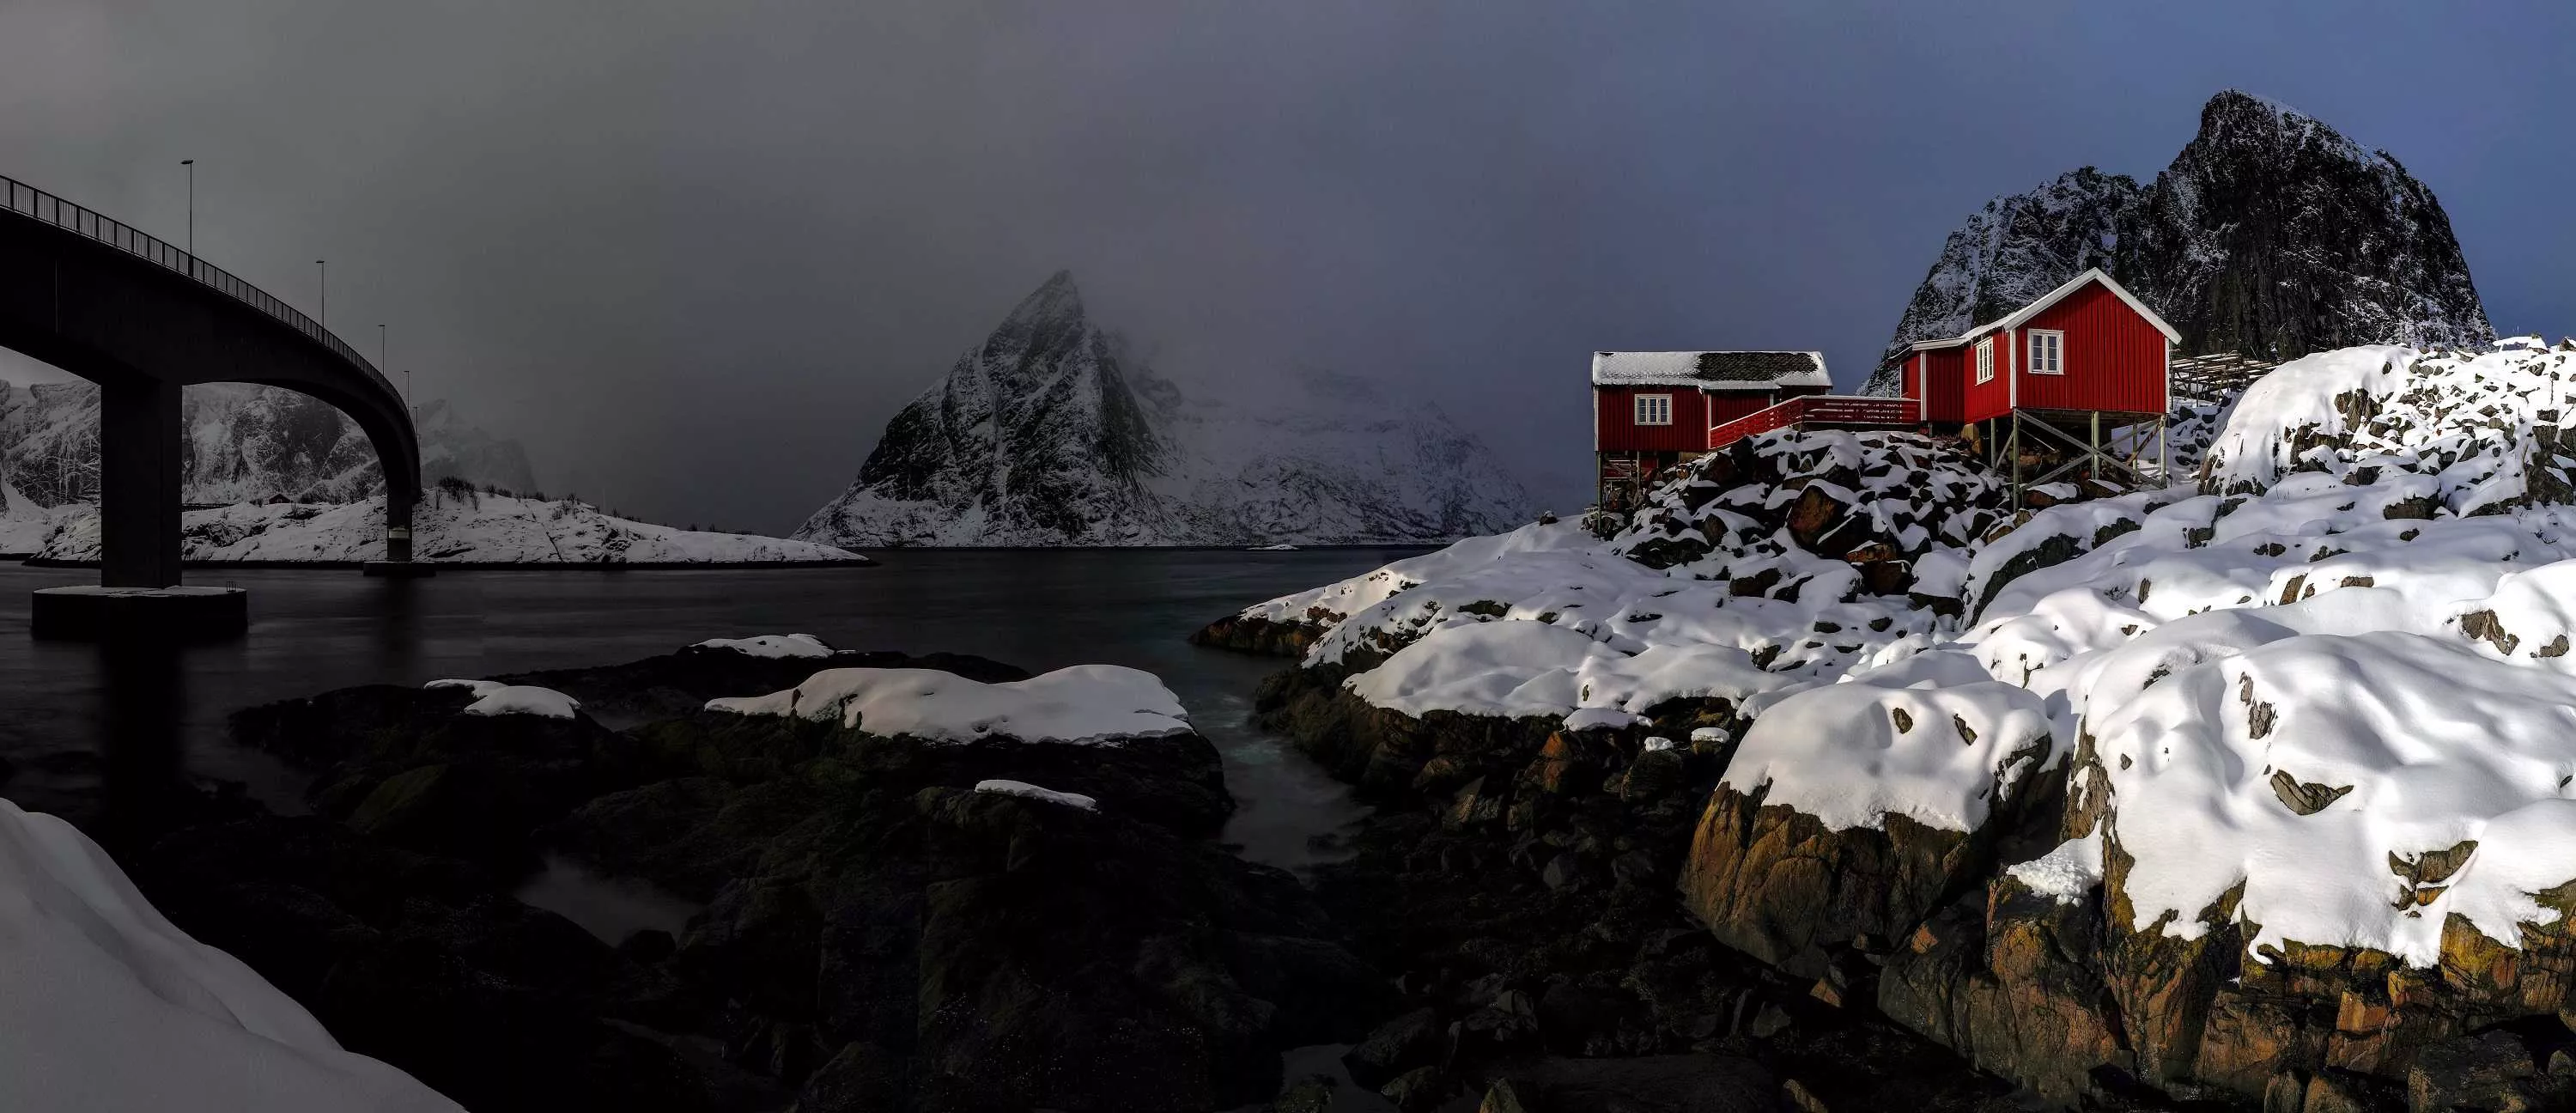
pixel 1654 409
pixel 2047 352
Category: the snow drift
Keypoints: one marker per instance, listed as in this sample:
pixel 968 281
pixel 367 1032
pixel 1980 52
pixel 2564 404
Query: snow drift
pixel 104 1005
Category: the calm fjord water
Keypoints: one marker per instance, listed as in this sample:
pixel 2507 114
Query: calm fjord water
pixel 61 704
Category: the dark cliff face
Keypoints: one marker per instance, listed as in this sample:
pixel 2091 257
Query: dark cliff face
pixel 2270 234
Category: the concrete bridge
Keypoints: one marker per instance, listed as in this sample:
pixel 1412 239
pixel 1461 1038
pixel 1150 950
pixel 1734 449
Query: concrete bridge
pixel 142 318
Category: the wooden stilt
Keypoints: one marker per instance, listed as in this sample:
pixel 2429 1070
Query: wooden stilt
pixel 2093 451
pixel 2013 449
pixel 2164 452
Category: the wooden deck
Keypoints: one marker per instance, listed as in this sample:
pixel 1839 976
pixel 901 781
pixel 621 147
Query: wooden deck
pixel 1844 410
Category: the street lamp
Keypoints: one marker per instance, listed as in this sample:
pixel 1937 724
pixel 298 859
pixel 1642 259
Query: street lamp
pixel 325 270
pixel 191 164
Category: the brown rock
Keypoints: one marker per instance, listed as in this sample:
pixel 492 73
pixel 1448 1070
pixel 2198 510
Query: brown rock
pixel 1776 884
pixel 2010 982
pixel 1814 514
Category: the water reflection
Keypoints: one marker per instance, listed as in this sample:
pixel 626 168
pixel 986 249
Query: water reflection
pixel 143 777
pixel 161 714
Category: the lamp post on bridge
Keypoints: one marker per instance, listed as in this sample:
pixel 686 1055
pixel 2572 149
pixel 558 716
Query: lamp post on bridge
pixel 325 270
pixel 191 164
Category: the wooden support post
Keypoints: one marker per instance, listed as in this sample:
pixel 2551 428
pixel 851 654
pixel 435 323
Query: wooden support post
pixel 2093 453
pixel 2164 453
pixel 2013 449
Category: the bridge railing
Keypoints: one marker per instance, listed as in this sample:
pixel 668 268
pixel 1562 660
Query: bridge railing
pixel 28 201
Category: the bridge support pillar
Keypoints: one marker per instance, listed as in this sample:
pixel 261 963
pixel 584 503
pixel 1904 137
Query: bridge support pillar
pixel 138 488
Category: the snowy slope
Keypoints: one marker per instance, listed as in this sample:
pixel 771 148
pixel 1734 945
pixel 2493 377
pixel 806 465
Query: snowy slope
pixel 1051 433
pixel 2324 697
pixel 2270 233
pixel 241 442
pixel 460 529
pixel 104 1005
pixel 25 525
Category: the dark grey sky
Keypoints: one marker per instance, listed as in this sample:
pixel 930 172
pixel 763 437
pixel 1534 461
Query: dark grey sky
pixel 694 255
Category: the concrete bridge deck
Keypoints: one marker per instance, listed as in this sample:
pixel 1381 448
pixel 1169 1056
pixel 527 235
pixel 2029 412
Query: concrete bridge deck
pixel 141 318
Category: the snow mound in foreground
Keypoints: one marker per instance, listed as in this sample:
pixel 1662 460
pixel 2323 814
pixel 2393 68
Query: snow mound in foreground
pixel 1852 754
pixel 104 1005
pixel 2361 788
pixel 1080 704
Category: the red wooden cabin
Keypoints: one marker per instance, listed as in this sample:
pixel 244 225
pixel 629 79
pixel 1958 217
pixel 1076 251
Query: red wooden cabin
pixel 1651 410
pixel 2086 347
pixel 2086 360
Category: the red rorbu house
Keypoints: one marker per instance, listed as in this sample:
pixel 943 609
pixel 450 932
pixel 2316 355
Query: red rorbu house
pixel 1651 410
pixel 2084 361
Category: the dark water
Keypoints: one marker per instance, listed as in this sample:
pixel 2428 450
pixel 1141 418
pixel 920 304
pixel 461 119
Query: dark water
pixel 81 724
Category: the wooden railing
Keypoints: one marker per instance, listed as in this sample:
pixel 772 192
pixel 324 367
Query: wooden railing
pixel 1827 409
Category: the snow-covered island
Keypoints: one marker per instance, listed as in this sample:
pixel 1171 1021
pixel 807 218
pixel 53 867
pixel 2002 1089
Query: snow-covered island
pixel 2261 786
pixel 449 527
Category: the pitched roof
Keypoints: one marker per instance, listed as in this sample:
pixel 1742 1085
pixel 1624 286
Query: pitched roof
pixel 2023 315
pixel 1710 370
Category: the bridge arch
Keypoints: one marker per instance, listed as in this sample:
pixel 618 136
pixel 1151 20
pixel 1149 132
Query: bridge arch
pixel 142 319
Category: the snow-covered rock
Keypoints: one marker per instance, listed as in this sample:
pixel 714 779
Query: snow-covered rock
pixel 772 645
pixel 2340 245
pixel 241 442
pixel 2483 431
pixel 1080 704
pixel 104 1005
pixel 1029 791
pixel 491 697
pixel 461 528
pixel 1053 431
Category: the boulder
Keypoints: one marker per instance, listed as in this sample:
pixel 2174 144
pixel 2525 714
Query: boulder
pixel 1776 884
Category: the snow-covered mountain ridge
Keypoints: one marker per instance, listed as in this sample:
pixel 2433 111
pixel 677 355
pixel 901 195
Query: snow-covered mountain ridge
pixel 2270 234
pixel 448 528
pixel 242 442
pixel 1054 432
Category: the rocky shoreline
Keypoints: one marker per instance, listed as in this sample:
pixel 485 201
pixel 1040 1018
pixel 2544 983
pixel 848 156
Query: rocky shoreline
pixel 881 929
pixel 1543 893
pixel 1521 883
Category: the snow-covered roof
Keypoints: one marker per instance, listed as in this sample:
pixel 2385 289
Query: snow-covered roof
pixel 2023 315
pixel 1710 370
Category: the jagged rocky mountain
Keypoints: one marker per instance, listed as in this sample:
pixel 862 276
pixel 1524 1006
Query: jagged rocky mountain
pixel 2270 234
pixel 244 442
pixel 1053 431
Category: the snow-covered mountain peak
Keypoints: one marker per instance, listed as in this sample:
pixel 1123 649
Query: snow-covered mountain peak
pixel 2270 234
pixel 1055 431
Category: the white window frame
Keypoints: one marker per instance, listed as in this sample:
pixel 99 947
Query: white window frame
pixel 2056 365
pixel 1660 412
pixel 1986 360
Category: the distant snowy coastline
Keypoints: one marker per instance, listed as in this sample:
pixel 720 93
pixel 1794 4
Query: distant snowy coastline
pixel 452 528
